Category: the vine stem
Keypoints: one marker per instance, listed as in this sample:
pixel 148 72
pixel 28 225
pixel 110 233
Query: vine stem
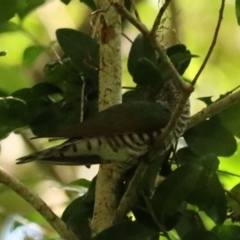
pixel 214 40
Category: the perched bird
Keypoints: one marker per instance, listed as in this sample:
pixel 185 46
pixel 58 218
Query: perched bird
pixel 120 133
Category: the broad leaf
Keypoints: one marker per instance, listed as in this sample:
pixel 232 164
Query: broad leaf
pixel 8 9
pixel 172 192
pixel 201 235
pixel 82 50
pixel 227 232
pixel 126 231
pixel 210 136
pixel 189 221
pixel 146 73
pixel 14 113
pixel 141 48
pixel 33 4
pixel 9 27
pixel 31 53
pixel 229 118
pixel 90 3
pixel 237 10
pixel 77 216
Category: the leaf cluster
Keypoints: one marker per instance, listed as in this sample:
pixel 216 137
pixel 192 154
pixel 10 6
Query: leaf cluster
pixel 191 184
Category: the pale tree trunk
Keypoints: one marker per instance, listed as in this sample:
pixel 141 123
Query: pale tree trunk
pixel 110 86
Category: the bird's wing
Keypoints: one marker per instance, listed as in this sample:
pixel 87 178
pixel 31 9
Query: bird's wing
pixel 139 117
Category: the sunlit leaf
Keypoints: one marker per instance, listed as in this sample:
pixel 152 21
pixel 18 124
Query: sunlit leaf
pixel 31 53
pixel 8 9
pixel 237 10
pixel 229 118
pixel 33 4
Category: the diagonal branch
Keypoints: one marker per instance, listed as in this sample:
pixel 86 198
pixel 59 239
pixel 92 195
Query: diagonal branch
pixel 153 40
pixel 215 108
pixel 37 203
pixel 212 44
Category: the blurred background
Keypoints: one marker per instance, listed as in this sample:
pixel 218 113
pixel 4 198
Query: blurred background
pixel 191 23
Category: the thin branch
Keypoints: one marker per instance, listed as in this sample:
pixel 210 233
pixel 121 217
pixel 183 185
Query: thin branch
pixel 213 43
pixel 232 195
pixel 161 51
pixel 159 17
pixel 82 101
pixel 37 203
pixel 229 173
pixel 128 196
pixel 135 11
pixel 214 108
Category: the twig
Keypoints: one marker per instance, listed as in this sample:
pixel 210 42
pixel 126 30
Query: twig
pixel 229 173
pixel 159 17
pixel 129 39
pixel 233 196
pixel 161 51
pixel 213 43
pixel 135 11
pixel 37 203
pixel 82 101
pixel 130 192
pixel 214 108
pixel 162 228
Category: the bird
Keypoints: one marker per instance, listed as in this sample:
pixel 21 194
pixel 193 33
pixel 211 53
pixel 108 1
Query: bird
pixel 120 133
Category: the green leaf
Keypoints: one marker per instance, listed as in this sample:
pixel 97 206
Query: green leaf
pixel 31 53
pixel 145 73
pixel 3 53
pixel 5 131
pixel 201 235
pixel 179 56
pixel 186 156
pixel 82 50
pixel 233 199
pixel 172 192
pixel 237 10
pixel 81 182
pixel 78 207
pixel 227 232
pixel 218 211
pixel 77 215
pixel 229 118
pixel 55 117
pixel 8 9
pixel 14 113
pixel 8 27
pixel 33 4
pixel 207 100
pixel 65 1
pixel 210 136
pixel 189 221
pixel 90 3
pixel 141 48
pixel 126 231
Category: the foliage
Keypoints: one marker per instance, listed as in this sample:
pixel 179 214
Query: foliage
pixel 192 186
